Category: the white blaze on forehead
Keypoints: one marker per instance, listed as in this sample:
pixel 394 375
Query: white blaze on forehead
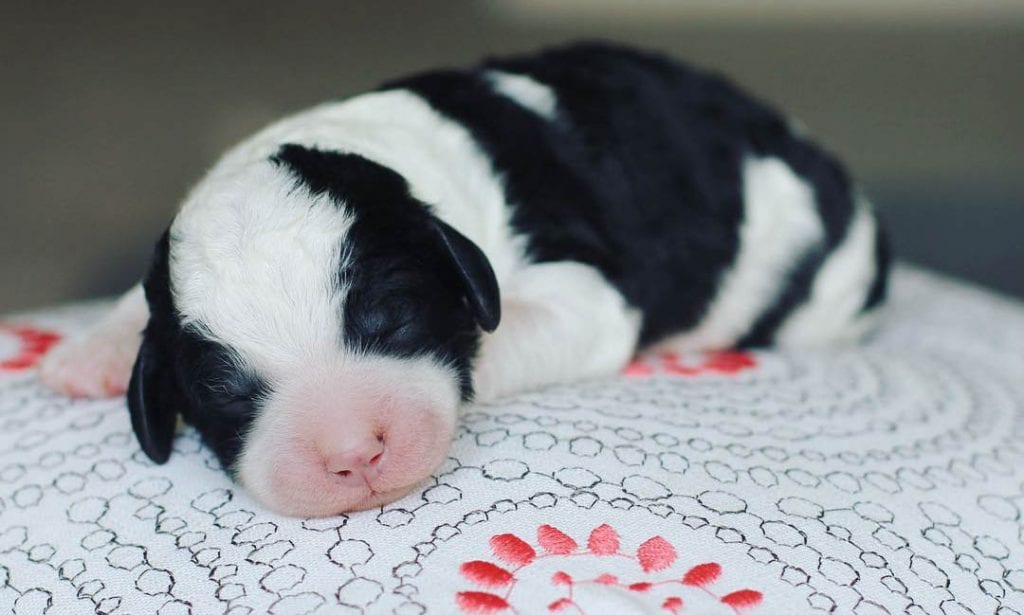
pixel 255 261
pixel 439 158
pixel 525 92
pixel 780 223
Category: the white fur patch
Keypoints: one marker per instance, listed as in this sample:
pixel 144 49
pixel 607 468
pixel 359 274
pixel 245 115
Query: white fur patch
pixel 780 223
pixel 443 164
pixel 561 322
pixel 832 312
pixel 526 92
pixel 254 263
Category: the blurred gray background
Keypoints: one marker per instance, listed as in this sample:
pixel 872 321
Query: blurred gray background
pixel 110 111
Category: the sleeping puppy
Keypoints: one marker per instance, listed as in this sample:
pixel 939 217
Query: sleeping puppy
pixel 340 284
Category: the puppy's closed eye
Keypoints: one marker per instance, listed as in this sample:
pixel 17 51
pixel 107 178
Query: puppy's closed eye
pixel 237 407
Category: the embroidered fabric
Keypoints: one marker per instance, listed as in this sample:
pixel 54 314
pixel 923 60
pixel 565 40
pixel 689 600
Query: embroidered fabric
pixel 882 478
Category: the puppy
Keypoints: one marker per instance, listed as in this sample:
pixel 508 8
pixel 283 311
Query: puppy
pixel 341 283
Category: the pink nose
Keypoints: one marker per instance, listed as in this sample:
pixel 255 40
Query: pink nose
pixel 358 459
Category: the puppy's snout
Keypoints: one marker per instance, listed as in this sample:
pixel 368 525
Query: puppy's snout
pixel 350 439
pixel 357 458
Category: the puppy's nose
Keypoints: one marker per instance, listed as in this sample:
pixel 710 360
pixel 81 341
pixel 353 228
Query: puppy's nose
pixel 357 457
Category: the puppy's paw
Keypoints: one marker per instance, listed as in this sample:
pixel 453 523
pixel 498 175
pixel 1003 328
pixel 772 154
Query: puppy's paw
pixel 96 366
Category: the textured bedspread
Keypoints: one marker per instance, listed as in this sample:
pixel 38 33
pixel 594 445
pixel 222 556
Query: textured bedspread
pixel 886 478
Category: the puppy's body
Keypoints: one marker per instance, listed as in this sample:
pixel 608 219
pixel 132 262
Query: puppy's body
pixel 329 293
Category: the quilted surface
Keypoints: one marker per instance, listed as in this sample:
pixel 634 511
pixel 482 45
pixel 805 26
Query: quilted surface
pixel 887 478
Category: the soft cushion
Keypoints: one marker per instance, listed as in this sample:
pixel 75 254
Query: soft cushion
pixel 882 478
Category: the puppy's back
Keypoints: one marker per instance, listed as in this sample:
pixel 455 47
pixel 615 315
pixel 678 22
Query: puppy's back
pixel 705 207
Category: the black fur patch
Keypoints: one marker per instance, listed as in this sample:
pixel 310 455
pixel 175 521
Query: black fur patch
pixel 198 377
pixel 404 298
pixel 883 261
pixel 222 400
pixel 639 175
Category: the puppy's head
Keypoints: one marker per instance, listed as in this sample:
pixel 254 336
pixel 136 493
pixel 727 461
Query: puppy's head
pixel 317 325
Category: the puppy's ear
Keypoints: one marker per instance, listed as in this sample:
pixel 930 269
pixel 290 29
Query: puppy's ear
pixel 152 391
pixel 474 270
pixel 151 402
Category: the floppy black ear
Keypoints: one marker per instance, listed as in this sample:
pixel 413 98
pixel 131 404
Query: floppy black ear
pixel 151 403
pixel 152 392
pixel 473 268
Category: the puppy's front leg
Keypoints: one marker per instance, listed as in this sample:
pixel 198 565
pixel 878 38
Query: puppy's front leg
pixel 99 363
pixel 561 322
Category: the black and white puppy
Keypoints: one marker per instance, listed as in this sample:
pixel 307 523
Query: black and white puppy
pixel 342 282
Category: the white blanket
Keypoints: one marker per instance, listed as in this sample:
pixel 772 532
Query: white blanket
pixel 885 478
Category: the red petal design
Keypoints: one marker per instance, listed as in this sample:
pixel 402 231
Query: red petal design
pixel 486 574
pixel 702 575
pixel 742 598
pixel 671 364
pixel 640 587
pixel 512 549
pixel 606 579
pixel 18 363
pixel 656 554
pixel 34 343
pixel 681 370
pixel 637 369
pixel 561 578
pixel 729 362
pixel 554 540
pixel 604 540
pixel 559 604
pixel 480 602
pixel 672 604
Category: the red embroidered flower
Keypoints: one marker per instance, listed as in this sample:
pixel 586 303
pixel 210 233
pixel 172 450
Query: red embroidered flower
pixel 32 344
pixel 652 556
pixel 722 362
